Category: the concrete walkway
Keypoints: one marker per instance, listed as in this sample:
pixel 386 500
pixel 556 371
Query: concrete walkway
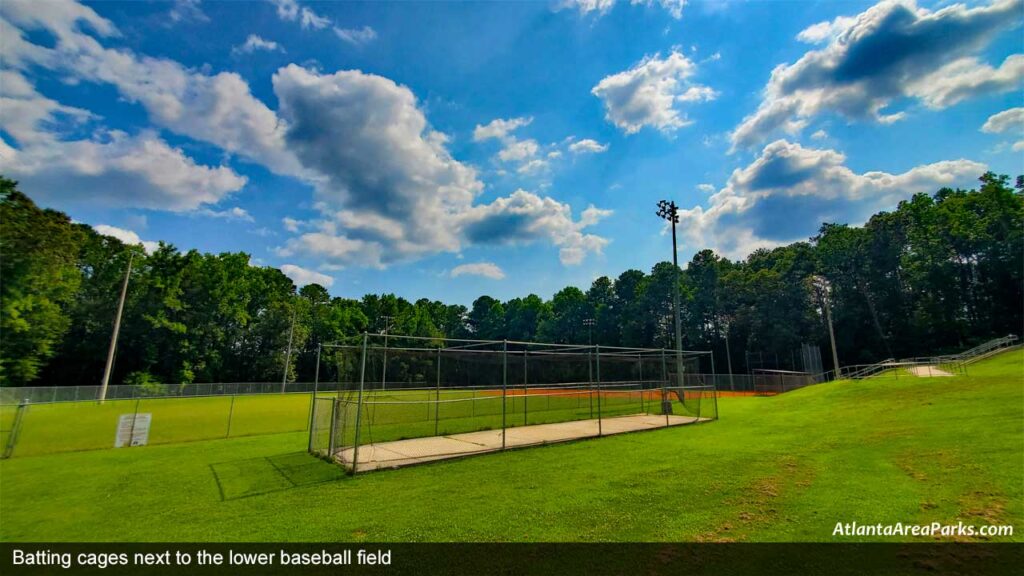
pixel 419 450
pixel 927 371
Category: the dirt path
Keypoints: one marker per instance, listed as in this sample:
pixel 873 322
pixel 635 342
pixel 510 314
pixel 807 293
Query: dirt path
pixel 927 371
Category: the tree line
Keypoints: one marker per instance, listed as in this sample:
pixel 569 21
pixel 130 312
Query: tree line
pixel 939 273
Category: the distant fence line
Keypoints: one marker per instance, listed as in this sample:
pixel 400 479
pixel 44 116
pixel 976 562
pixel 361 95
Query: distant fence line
pixel 51 394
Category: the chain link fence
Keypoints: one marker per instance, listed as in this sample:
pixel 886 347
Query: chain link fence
pixel 54 419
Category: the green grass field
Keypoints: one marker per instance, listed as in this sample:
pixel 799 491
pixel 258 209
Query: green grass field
pixel 783 468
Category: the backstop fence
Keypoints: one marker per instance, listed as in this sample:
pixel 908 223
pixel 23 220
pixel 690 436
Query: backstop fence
pixel 423 399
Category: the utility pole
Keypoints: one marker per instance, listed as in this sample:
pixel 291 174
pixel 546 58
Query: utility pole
pixel 117 330
pixel 728 356
pixel 669 211
pixel 823 288
pixel 288 355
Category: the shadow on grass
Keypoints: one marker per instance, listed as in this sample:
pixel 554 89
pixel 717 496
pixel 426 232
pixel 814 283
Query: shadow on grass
pixel 255 476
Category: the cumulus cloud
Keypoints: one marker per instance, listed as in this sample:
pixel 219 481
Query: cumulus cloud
pixel 126 236
pixel 524 217
pixel 893 50
pixel 218 109
pixel 255 43
pixel 587 146
pixel 390 190
pixel 111 167
pixel 788 191
pixel 302 276
pixel 234 213
pixel 356 36
pixel 649 94
pixel 521 152
pixel 1011 121
pixel 485 269
pixel 291 11
pixel 601 7
pixel 499 128
pixel 386 187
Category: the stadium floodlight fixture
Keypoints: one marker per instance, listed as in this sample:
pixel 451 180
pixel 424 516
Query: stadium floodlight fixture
pixel 668 210
pixel 589 323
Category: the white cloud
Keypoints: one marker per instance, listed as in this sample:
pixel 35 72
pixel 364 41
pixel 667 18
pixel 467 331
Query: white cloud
pixel 1011 120
pixel 649 94
pixel 525 217
pixel 892 51
pixel 126 236
pixel 187 11
pixel 789 191
pixel 587 146
pixel 234 213
pixel 291 11
pixel 601 7
pixel 356 36
pixel 302 276
pixel 110 168
pixel 254 43
pixel 499 129
pixel 706 188
pixel 485 269
pixel 518 151
pixel 290 224
pixel 218 109
pixel 819 135
pixel 585 7
pixel 966 78
pixel 390 189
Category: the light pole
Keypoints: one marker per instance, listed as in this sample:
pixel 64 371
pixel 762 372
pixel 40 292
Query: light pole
pixel 823 288
pixel 117 330
pixel 669 211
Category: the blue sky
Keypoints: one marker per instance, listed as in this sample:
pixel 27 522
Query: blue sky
pixel 449 150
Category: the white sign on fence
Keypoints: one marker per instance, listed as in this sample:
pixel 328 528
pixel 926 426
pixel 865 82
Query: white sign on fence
pixel 133 430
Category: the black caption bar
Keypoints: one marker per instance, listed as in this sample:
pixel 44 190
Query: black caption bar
pixel 479 559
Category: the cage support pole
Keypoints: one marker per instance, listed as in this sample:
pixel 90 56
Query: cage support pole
pixel 526 419
pixel 664 384
pixel 231 413
pixel 437 393
pixel 590 380
pixel 312 401
pixel 359 409
pixel 640 365
pixel 504 388
pixel 599 430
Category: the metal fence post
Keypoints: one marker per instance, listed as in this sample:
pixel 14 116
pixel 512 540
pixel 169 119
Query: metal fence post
pixel 437 395
pixel 590 380
pixel 598 370
pixel 640 364
pixel 359 408
pixel 504 388
pixel 312 400
pixel 526 418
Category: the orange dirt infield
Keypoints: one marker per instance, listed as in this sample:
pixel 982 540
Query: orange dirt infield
pixel 648 395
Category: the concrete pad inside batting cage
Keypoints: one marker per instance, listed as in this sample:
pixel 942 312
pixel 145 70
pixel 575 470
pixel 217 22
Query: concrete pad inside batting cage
pixel 419 450
pixel 927 371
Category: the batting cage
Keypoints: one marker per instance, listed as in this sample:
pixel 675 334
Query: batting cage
pixel 400 400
